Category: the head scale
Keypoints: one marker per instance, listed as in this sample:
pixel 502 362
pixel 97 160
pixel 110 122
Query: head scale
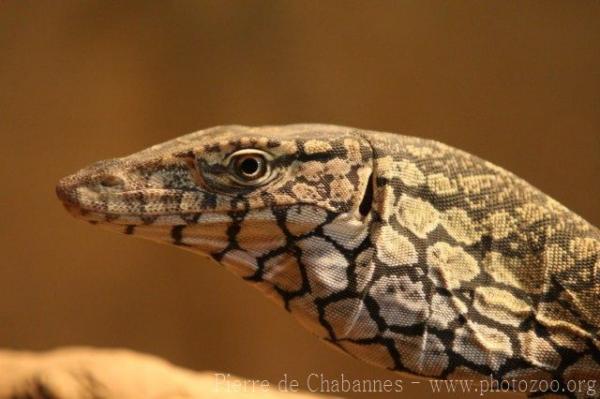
pixel 268 203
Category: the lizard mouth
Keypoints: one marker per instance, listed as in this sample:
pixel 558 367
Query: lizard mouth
pixel 162 207
pixel 126 205
pixel 113 205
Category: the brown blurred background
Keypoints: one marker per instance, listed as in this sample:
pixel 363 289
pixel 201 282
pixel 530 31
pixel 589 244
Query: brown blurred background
pixel 517 83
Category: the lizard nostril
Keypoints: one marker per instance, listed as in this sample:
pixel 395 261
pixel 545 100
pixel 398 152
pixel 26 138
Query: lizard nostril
pixel 111 181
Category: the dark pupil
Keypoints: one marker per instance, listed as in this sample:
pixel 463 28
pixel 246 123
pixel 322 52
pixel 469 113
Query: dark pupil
pixel 249 166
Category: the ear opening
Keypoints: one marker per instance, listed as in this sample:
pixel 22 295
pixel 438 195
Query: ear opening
pixel 366 204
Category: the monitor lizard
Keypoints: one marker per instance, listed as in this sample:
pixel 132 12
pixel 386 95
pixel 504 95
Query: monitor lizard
pixel 403 252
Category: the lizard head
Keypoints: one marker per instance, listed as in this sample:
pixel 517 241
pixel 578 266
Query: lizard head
pixel 265 202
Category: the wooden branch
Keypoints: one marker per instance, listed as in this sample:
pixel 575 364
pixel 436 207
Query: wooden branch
pixel 90 373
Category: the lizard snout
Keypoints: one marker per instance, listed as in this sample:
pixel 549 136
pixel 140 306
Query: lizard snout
pixel 91 183
pixel 66 191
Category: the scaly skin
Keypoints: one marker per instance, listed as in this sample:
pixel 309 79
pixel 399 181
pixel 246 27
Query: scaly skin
pixel 403 252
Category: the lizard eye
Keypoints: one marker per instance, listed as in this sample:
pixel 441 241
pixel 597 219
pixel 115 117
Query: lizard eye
pixel 249 167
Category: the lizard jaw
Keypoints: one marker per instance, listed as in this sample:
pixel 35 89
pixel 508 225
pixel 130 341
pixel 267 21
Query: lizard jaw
pixel 107 198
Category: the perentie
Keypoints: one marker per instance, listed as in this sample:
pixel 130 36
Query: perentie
pixel 403 252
